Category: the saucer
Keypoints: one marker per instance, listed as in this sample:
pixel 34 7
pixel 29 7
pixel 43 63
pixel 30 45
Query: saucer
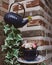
pixel 38 59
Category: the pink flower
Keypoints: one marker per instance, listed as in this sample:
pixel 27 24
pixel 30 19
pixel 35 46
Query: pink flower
pixel 34 45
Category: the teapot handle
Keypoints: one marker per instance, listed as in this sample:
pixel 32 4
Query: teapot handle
pixel 18 4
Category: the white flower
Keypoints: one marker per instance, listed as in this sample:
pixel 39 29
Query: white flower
pixel 29 45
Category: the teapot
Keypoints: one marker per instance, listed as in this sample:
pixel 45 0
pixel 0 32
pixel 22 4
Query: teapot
pixel 12 18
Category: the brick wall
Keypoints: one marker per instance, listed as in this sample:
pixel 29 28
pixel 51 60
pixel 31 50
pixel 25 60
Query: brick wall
pixel 39 29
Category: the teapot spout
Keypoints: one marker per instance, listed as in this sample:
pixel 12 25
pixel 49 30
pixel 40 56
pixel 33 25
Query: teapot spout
pixel 24 22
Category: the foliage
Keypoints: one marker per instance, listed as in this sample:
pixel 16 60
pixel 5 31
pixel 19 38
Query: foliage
pixel 12 44
pixel 43 63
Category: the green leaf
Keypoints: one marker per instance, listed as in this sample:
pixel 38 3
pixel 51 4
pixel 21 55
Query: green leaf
pixel 9 38
pixel 15 52
pixel 7 61
pixel 18 37
pixel 13 28
pixel 18 64
pixel 3 47
pixel 9 55
pixel 6 28
pixel 43 63
pixel 10 47
pixel 16 44
pixel 10 62
pixel 6 43
pixel 11 34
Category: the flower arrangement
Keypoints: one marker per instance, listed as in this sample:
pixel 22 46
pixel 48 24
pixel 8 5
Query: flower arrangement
pixel 29 45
